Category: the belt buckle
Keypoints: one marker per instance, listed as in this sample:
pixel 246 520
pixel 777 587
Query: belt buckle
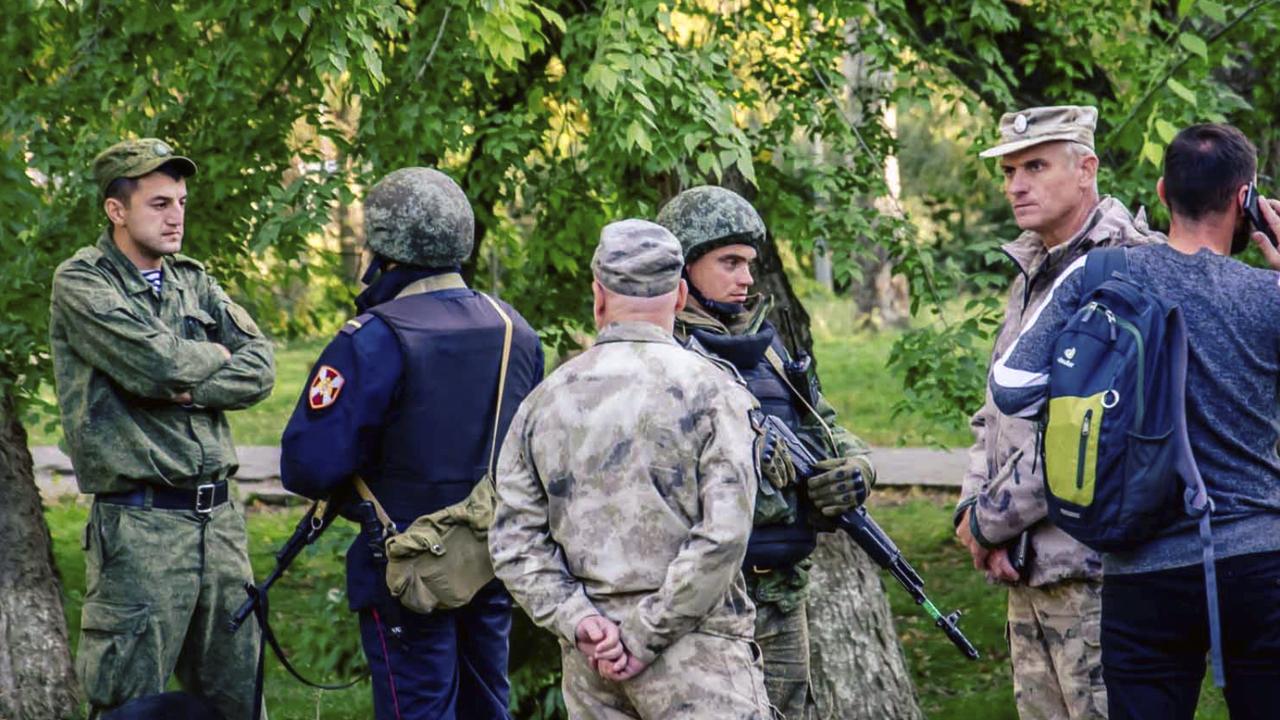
pixel 205 495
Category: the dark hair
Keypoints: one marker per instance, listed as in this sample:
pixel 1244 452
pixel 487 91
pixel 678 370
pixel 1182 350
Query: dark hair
pixel 1204 167
pixel 122 188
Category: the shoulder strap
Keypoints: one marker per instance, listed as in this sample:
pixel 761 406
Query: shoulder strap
pixel 362 488
pixel 502 380
pixel 1101 264
pixel 780 367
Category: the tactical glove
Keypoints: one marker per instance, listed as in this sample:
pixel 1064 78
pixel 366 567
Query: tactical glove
pixel 775 462
pixel 842 486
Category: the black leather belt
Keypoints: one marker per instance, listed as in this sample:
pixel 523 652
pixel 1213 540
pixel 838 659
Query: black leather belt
pixel 201 499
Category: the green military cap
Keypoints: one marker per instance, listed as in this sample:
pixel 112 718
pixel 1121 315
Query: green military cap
pixel 637 258
pixel 135 158
pixel 1023 129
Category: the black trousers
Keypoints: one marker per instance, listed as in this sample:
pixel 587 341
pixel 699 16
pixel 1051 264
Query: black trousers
pixel 1155 636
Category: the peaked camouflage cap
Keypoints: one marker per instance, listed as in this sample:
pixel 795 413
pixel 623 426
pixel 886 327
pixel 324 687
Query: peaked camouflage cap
pixel 707 217
pixel 135 158
pixel 419 216
pixel 637 258
pixel 1026 128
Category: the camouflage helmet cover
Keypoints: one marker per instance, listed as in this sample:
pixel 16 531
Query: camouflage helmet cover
pixel 419 216
pixel 707 217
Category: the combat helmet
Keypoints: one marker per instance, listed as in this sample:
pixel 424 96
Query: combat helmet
pixel 419 216
pixel 707 217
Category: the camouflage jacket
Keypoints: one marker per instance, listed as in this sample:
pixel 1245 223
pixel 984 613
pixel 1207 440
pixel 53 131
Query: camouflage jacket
pixel 1004 481
pixel 120 354
pixel 625 489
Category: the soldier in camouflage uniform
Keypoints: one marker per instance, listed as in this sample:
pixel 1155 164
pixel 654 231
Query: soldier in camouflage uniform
pixel 149 354
pixel 720 232
pixel 625 491
pixel 1046 155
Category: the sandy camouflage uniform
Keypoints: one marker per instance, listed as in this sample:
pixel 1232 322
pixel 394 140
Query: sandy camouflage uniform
pixel 703 218
pixel 160 583
pixel 625 489
pixel 1053 617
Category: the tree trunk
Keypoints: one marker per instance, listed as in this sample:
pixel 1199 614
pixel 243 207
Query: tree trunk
pixel 858 669
pixel 36 678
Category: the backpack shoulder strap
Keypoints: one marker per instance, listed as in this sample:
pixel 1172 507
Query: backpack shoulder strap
pixel 1101 264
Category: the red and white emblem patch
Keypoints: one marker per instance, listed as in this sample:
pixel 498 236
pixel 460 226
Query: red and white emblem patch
pixel 325 388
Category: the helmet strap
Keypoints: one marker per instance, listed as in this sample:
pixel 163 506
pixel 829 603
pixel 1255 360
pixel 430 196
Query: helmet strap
pixel 721 311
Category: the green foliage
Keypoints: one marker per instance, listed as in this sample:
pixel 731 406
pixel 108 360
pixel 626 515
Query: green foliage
pixel 556 117
pixel 1150 68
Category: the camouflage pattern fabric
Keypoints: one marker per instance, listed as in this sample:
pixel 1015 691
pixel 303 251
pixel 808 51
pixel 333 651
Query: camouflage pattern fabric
pixel 782 632
pixel 699 676
pixel 637 258
pixel 160 587
pixel 846 444
pixel 1004 481
pixel 135 158
pixel 1033 126
pixel 419 216
pixel 707 217
pixel 1055 647
pixel 120 354
pixel 625 489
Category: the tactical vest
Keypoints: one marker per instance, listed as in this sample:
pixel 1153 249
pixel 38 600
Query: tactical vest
pixel 434 446
pixel 774 545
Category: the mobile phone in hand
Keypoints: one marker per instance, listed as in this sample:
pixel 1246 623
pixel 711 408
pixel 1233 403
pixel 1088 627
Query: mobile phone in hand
pixel 1254 213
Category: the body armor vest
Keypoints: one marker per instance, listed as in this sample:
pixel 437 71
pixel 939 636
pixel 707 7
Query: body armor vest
pixel 435 445
pixel 781 544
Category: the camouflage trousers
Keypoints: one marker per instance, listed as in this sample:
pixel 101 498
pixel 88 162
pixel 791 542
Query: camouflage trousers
pixel 1055 648
pixel 160 588
pixel 783 636
pixel 699 676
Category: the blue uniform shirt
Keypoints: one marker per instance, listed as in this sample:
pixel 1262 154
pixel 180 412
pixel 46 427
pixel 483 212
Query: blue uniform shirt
pixel 322 448
pixel 361 390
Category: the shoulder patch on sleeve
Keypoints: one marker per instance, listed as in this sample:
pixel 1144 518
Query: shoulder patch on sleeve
pixel 325 387
pixel 355 323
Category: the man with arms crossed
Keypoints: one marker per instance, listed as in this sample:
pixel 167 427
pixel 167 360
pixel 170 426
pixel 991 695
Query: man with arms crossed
pixel 625 491
pixel 148 354
pixel 1050 179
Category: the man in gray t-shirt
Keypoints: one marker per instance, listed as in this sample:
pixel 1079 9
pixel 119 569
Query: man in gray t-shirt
pixel 1154 617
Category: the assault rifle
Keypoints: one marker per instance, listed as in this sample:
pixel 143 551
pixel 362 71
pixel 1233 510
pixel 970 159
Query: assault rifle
pixel 316 520
pixel 871 538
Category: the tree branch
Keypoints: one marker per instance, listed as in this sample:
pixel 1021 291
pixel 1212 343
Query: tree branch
pixel 288 64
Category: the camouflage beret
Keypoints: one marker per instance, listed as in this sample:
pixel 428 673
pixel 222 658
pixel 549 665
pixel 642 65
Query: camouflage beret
pixel 135 158
pixel 707 217
pixel 1030 127
pixel 419 216
pixel 637 258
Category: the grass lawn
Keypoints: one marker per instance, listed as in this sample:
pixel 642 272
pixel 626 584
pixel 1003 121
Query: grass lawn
pixel 310 616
